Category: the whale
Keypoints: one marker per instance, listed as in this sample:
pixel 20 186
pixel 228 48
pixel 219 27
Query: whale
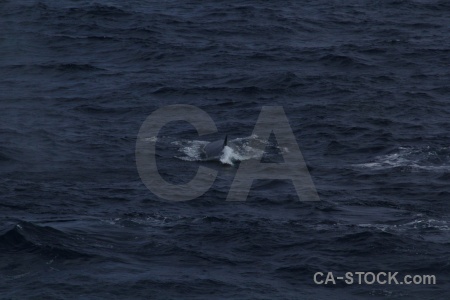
pixel 214 150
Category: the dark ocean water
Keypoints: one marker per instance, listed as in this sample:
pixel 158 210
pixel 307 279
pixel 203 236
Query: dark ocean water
pixel 366 88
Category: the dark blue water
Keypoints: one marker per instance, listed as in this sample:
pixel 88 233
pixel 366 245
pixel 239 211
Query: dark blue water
pixel 365 85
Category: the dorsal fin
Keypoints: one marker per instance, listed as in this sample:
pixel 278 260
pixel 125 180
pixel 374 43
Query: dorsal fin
pixel 225 141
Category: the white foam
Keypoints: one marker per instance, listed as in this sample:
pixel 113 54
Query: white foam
pixel 150 139
pixel 239 149
pixel 192 150
pixel 227 156
pixel 413 225
pixel 415 159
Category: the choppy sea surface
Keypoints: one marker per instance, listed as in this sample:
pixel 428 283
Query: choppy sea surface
pixel 366 88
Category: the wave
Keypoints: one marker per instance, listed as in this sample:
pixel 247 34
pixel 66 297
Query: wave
pixel 412 159
pixel 4 157
pixel 343 61
pixel 27 238
pixel 417 224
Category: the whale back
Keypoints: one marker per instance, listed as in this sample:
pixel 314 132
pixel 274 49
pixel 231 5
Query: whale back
pixel 214 149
